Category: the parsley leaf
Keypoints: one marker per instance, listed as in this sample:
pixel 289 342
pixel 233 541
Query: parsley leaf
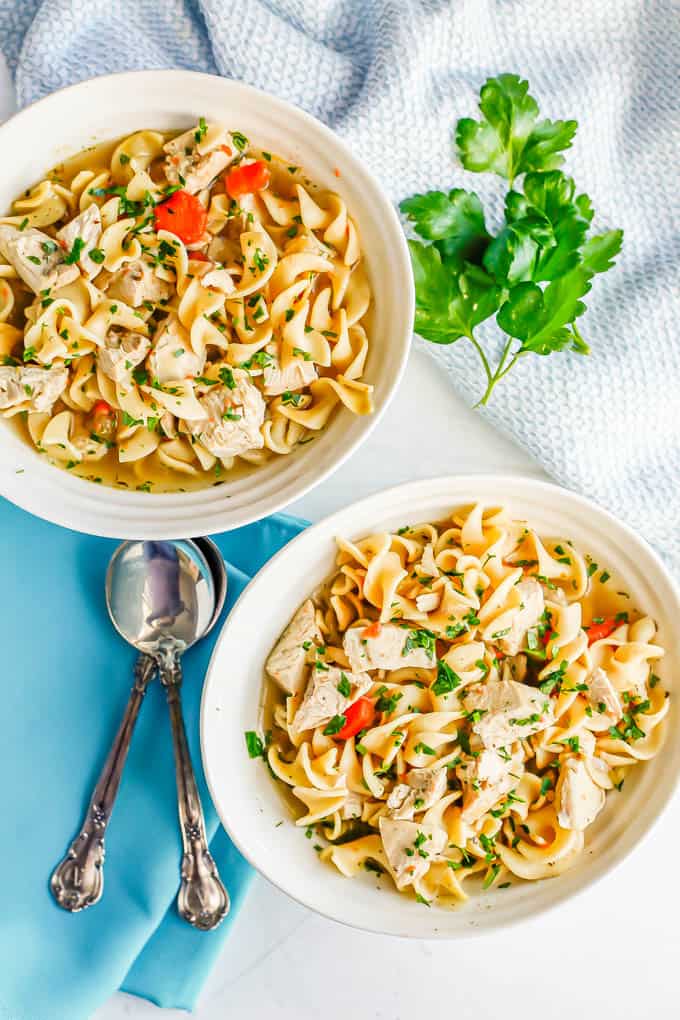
pixel 446 681
pixel 599 252
pixel 510 140
pixel 449 304
pixel 541 318
pixel 455 221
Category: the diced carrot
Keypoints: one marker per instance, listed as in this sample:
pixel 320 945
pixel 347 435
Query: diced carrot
pixel 244 180
pixel 598 631
pixel 358 716
pixel 372 631
pixel 182 214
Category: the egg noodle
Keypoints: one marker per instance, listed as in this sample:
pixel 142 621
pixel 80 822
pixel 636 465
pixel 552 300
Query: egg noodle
pixel 451 706
pixel 183 304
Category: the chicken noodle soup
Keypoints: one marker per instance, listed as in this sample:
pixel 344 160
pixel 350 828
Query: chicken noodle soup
pixel 172 308
pixel 458 702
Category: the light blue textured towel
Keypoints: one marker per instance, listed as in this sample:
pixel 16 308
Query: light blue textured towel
pixel 392 77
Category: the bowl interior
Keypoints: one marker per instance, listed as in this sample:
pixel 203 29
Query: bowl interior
pixel 249 802
pixel 105 108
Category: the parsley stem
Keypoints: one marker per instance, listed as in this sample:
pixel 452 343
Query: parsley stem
pixel 501 370
pixel 506 351
pixel 485 363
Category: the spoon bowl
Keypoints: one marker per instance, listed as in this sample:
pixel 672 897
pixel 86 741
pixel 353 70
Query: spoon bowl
pixel 219 575
pixel 161 592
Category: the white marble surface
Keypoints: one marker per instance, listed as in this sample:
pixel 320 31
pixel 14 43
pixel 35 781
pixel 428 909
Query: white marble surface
pixel 614 949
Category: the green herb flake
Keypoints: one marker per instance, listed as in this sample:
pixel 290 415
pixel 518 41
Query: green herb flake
pixel 344 686
pixel 254 744
pixel 335 725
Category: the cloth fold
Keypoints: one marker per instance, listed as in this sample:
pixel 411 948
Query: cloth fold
pixel 67 676
pixel 392 77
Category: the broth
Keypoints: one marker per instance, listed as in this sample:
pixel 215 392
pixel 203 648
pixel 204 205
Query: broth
pixel 151 473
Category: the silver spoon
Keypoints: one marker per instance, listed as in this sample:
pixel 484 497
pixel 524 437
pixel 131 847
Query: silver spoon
pixel 198 568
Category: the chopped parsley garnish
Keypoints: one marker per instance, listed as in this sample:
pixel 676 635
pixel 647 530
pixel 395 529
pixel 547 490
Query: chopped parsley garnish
pixel 240 141
pixel 421 748
pixel 420 639
pixel 227 377
pixel 335 725
pixel 254 744
pixel 294 399
pixel 199 133
pixel 455 630
pixel 527 721
pixel 554 680
pixel 76 251
pixel 96 255
pixel 491 876
pixel 387 702
pixel 446 681
pixel 476 715
pixel 260 359
pixel 344 686
pixel 260 260
pixel 604 576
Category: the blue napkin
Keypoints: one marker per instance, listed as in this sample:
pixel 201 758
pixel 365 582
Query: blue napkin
pixel 66 679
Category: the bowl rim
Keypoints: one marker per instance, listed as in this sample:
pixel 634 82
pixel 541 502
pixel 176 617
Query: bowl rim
pixel 401 494
pixel 95 509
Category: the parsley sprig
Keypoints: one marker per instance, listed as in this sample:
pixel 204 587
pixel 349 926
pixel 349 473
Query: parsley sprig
pixel 533 273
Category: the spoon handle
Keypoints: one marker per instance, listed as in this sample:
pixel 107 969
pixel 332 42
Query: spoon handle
pixel 202 899
pixel 78 880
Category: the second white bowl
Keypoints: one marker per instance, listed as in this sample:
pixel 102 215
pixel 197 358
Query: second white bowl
pixel 249 802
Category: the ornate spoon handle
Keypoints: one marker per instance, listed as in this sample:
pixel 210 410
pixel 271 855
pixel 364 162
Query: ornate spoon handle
pixel 78 880
pixel 202 899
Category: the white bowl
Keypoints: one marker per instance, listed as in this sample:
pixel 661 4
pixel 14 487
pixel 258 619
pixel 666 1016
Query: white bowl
pixel 249 802
pixel 107 107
